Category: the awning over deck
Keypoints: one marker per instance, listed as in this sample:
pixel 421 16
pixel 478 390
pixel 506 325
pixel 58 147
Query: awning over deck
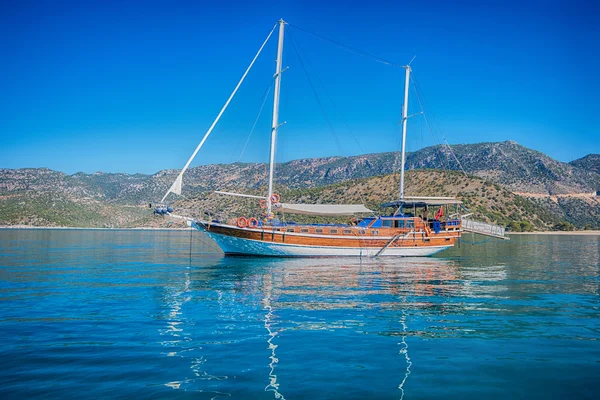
pixel 322 209
pixel 413 201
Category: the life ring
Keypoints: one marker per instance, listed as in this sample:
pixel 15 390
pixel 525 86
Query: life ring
pixel 275 198
pixel 263 203
pixel 252 222
pixel 242 222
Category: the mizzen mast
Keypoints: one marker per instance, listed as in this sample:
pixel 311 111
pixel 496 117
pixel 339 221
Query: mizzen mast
pixel 275 124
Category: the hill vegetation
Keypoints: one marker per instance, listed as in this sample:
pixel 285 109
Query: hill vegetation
pixel 505 183
pixel 489 202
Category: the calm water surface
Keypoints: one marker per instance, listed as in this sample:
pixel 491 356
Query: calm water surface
pixel 111 313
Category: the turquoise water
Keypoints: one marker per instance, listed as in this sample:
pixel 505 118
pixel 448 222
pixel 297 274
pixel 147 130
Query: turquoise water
pixel 110 313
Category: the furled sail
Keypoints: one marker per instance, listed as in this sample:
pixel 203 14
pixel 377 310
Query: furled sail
pixel 323 209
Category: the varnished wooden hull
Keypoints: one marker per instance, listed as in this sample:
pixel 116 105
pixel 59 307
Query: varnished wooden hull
pixel 347 242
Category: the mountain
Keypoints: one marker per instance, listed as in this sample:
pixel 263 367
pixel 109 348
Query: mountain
pixel 490 202
pixel 42 197
pixel 515 167
pixel 509 164
pixel 45 197
pixel 591 162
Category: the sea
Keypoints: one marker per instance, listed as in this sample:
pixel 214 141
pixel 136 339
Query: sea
pixel 162 314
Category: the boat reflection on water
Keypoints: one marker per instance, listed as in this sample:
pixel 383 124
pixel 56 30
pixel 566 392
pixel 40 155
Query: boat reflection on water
pixel 338 284
pixel 283 303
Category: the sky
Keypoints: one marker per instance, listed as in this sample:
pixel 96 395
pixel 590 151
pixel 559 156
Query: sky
pixel 126 86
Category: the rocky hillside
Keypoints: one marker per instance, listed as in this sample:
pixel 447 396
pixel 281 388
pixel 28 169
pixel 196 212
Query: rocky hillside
pixel 515 167
pixel 45 197
pixel 42 197
pixel 591 162
pixel 489 202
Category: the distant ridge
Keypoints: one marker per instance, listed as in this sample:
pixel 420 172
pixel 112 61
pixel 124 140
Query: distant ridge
pixel 591 162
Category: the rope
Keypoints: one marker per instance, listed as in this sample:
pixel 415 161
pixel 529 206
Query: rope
pixel 191 232
pixel 433 135
pixel 454 155
pixel 330 99
pixel 314 90
pixel 473 242
pixel 332 130
pixel 265 95
pixel 350 49
pixel 481 242
pixel 207 244
pixel 431 132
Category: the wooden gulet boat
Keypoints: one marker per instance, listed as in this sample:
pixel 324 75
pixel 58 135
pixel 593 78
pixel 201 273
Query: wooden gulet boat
pixel 401 233
pixel 397 235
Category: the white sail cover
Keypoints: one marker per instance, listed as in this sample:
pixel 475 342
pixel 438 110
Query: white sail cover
pixel 176 186
pixel 322 209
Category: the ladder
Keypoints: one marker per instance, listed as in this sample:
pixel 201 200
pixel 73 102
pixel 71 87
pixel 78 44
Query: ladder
pixel 483 228
pixel 392 240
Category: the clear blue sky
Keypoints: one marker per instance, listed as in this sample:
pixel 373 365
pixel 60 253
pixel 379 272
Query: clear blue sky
pixel 125 86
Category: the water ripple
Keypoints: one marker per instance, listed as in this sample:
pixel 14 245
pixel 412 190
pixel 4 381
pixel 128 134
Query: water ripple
pixel 128 314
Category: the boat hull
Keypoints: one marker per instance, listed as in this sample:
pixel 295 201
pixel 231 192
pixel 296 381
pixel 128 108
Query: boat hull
pixel 232 243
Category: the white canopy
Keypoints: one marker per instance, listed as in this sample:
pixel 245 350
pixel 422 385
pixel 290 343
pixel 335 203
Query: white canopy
pixel 322 209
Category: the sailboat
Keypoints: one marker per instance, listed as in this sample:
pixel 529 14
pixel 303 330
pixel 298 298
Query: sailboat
pixel 401 232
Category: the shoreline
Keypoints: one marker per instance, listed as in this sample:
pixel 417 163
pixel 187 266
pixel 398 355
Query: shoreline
pixel 589 233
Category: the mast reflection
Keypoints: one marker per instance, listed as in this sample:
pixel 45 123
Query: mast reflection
pixel 304 295
pixel 273 386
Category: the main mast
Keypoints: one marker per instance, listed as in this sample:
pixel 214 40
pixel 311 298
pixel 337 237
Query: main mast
pixel 275 115
pixel 404 121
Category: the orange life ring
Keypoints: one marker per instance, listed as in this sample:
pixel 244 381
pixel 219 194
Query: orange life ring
pixel 263 203
pixel 242 222
pixel 252 222
pixel 275 198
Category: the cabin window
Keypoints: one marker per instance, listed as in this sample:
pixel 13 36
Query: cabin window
pixel 347 232
pixel 388 223
pixel 318 230
pixel 362 232
pixel 333 231
pixel 410 223
pixel 290 230
pixel 447 239
pixel 304 230
pixel 427 240
pixel 399 224
pixel 374 233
